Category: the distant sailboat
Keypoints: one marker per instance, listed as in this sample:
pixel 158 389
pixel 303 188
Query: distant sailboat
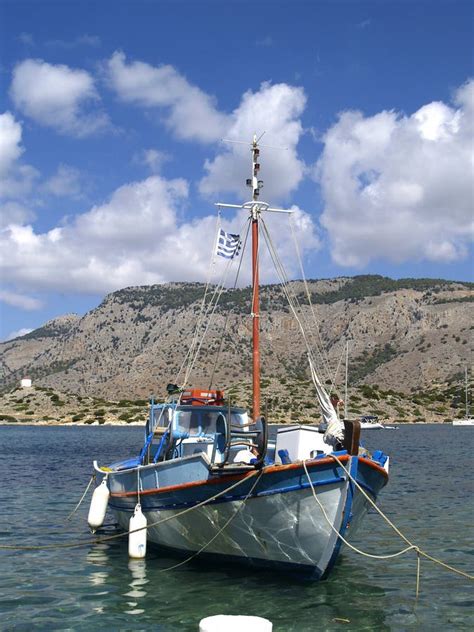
pixel 468 420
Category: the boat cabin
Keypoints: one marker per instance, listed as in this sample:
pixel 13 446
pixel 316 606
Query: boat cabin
pixel 178 430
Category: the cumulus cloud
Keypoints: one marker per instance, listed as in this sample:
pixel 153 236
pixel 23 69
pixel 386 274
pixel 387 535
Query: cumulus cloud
pixel 191 113
pixel 274 109
pixel 399 187
pixel 10 139
pixel 20 300
pixel 153 159
pixel 16 179
pixel 57 96
pixel 12 212
pixel 136 237
pixel 66 182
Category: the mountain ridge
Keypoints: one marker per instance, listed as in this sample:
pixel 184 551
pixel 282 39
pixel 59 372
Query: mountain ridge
pixel 406 335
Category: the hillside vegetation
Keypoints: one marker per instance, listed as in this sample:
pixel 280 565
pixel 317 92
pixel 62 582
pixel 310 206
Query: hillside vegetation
pixel 409 342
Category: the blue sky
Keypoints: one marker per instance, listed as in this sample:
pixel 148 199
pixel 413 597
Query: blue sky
pixel 111 117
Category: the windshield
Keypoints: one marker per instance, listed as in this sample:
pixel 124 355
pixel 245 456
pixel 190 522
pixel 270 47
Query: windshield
pixel 202 421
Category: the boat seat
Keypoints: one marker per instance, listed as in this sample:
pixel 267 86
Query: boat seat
pixel 160 430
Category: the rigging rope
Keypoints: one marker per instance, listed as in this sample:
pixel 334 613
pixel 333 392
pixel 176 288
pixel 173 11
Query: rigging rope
pixel 212 304
pixel 320 346
pixel 229 311
pixel 292 300
pixel 208 282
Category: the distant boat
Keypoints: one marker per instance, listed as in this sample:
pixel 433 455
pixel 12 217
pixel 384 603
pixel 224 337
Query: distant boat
pixel 210 483
pixel 370 421
pixel 468 420
pixel 367 421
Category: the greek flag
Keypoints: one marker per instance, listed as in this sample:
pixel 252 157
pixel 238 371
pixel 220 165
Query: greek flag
pixel 228 245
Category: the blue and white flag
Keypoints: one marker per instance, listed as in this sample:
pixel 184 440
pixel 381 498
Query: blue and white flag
pixel 228 245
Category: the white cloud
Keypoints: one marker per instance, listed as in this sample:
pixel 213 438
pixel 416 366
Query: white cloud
pixel 18 334
pixel 400 187
pixel 191 113
pixel 135 238
pixel 10 139
pixel 274 109
pixel 12 212
pixel 20 300
pixel 16 179
pixel 57 96
pixel 153 159
pixel 66 182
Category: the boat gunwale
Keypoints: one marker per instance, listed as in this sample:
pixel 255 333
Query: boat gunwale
pixel 344 458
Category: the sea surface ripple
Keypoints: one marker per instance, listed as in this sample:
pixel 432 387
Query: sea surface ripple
pixel 44 471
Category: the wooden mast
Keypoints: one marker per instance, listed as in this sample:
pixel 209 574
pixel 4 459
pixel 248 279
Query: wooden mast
pixel 255 207
pixel 255 284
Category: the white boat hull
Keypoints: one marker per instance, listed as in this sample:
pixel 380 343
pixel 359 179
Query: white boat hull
pixel 275 526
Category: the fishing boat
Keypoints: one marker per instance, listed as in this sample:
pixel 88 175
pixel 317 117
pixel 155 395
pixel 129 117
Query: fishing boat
pixel 212 485
pixel 467 420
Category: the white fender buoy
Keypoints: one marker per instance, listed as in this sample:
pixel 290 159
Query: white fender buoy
pixel 98 508
pixel 235 623
pixel 137 540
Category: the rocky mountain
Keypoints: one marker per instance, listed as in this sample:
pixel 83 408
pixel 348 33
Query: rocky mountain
pixel 409 339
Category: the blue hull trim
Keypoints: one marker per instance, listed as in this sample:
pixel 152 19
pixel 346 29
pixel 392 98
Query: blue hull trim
pixel 149 502
pixel 347 515
pixel 147 506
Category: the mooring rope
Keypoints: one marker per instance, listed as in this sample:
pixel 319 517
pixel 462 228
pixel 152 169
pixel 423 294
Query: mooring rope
pixel 188 559
pixel 421 552
pixel 82 498
pixel 411 547
pixel 71 545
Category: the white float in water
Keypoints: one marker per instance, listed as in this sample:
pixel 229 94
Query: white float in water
pixel 98 508
pixel 235 623
pixel 137 540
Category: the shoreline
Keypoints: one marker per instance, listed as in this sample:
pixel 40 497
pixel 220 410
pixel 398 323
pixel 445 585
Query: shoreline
pixel 95 424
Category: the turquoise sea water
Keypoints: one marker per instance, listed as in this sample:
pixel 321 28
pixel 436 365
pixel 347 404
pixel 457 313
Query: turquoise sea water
pixel 44 470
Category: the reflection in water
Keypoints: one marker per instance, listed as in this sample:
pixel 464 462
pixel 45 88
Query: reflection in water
pixel 97 556
pixel 137 569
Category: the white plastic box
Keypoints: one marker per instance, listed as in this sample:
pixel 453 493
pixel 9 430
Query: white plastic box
pixel 301 442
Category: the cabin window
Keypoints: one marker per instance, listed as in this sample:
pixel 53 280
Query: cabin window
pixel 200 422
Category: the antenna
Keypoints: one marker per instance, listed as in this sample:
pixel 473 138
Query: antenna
pixel 242 142
pixel 255 206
